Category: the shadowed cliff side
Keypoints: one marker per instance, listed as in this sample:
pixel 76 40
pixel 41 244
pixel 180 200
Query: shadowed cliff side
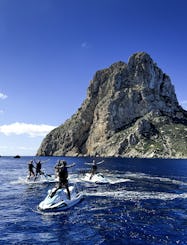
pixel 131 110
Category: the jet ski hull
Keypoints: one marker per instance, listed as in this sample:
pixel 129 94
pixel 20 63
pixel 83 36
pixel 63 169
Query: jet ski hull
pixel 59 202
pixel 96 178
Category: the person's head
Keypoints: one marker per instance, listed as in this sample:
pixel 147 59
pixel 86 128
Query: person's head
pixel 64 163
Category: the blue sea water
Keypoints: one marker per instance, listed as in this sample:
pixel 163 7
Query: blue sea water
pixel 144 203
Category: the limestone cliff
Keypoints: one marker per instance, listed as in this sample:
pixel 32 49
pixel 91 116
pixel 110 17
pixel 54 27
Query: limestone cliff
pixel 131 110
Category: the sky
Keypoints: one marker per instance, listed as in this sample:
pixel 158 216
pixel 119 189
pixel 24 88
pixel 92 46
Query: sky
pixel 51 49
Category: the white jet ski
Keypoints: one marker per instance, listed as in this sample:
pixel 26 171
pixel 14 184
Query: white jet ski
pixel 59 201
pixel 43 178
pixel 96 178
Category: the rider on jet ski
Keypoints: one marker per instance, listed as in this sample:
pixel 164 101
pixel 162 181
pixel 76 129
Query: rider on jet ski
pixel 39 168
pixel 94 167
pixel 63 177
pixel 30 169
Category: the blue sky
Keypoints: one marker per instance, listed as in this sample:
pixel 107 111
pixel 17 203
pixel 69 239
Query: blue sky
pixel 51 49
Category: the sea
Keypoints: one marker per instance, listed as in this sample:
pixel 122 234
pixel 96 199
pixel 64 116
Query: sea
pixel 144 202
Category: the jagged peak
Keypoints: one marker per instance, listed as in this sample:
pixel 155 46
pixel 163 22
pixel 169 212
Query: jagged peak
pixel 119 64
pixel 139 57
pixel 115 66
pixel 136 58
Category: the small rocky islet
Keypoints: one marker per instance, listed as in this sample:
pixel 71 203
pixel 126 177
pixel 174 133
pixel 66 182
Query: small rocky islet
pixel 131 110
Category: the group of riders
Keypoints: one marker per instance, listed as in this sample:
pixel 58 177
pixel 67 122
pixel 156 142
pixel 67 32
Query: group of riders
pixel 38 169
pixel 61 173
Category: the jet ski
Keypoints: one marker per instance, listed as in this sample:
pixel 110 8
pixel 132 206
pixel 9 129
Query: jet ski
pixel 43 178
pixel 97 178
pixel 59 201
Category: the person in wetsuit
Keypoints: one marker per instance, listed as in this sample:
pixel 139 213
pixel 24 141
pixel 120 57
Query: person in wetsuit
pixel 94 167
pixel 31 169
pixel 57 168
pixel 63 177
pixel 39 167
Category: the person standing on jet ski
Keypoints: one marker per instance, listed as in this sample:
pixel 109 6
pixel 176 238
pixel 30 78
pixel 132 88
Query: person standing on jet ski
pixel 63 177
pixel 57 168
pixel 39 168
pixel 94 167
pixel 31 169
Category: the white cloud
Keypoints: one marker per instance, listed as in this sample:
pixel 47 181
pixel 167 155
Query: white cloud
pixel 3 96
pixel 32 130
pixel 1 112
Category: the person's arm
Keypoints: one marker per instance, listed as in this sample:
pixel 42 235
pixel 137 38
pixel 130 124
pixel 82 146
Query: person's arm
pixel 89 163
pixel 45 161
pixel 69 166
pixel 100 162
pixel 34 161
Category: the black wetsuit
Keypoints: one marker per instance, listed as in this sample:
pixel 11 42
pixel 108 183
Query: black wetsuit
pixel 31 166
pixel 38 168
pixel 63 181
pixel 94 169
pixel 63 176
pixel 31 171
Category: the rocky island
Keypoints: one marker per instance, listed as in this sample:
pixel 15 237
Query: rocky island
pixel 131 110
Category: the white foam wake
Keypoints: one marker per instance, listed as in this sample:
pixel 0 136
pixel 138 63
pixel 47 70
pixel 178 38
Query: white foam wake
pixel 135 195
pixel 134 176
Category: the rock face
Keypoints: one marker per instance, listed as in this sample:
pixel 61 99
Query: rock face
pixel 131 110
